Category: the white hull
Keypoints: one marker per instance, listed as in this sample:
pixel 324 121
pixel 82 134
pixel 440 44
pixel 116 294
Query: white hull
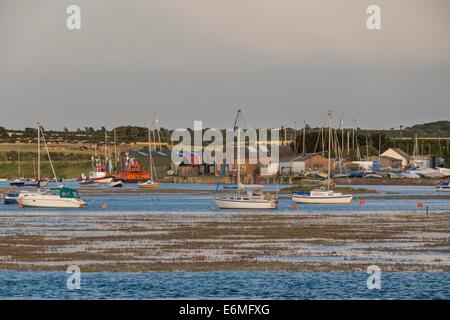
pixel 443 189
pixel 444 172
pixel 343 199
pixel 102 180
pixel 49 201
pixel 245 204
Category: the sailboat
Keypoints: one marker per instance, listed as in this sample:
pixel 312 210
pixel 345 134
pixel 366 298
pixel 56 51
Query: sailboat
pixel 246 196
pixel 19 182
pixel 61 197
pixel 324 195
pixel 150 183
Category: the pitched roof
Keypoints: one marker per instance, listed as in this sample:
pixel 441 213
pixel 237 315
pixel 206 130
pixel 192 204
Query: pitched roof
pixel 402 153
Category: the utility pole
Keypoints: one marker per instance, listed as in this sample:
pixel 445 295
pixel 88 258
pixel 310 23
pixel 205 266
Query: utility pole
pixel 294 136
pixel 348 143
pixel 367 147
pixel 379 147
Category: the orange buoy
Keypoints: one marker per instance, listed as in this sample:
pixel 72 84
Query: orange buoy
pixel 21 206
pixel 420 205
pixel 104 206
pixel 362 201
pixel 294 207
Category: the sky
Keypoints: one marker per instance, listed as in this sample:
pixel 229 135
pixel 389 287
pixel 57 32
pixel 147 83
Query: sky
pixel 282 62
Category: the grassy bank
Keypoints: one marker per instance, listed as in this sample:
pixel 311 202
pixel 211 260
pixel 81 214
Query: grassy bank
pixel 65 169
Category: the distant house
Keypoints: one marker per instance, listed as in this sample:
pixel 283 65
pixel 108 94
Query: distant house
pixel 364 164
pixel 399 154
pixel 161 160
pixel 421 161
pixel 292 164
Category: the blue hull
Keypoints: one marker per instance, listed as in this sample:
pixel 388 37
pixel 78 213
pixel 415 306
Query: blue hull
pixel 10 198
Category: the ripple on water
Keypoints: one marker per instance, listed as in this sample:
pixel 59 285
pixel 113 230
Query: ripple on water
pixel 246 285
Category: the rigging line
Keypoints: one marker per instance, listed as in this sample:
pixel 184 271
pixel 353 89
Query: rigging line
pixel 49 158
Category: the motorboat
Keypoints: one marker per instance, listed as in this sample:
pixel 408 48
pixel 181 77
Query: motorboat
pixel 51 198
pixel 148 184
pixel 60 197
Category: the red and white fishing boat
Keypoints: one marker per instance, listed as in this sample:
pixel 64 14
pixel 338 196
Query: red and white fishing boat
pixel 98 174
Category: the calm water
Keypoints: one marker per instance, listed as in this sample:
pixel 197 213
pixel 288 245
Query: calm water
pixel 210 285
pixel 204 203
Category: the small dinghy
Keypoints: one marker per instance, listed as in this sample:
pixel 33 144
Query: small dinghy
pixel 10 198
pixel 443 186
pixel 148 184
pixel 17 183
pixel 116 184
pixel 89 183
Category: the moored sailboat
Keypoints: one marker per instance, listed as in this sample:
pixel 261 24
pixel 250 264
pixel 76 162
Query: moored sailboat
pixel 246 196
pixel 61 197
pixel 150 183
pixel 322 195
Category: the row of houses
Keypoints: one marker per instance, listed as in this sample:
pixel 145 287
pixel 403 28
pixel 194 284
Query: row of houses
pixel 288 164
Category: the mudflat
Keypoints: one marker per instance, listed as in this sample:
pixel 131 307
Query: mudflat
pixel 211 241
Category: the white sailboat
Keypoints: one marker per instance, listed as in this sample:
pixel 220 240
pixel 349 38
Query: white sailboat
pixel 246 196
pixel 61 197
pixel 150 183
pixel 322 195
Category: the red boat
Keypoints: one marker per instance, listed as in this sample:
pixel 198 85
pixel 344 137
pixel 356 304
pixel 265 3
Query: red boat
pixel 132 172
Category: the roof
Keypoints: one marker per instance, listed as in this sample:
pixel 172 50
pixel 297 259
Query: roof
pixel 297 157
pixel 146 154
pixel 402 153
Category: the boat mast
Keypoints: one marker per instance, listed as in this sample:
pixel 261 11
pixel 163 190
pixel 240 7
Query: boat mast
pixel 304 137
pixel 39 152
pixel 329 149
pixel 105 151
pixel 150 159
pixel 238 156
pixel 115 149
pixel 18 160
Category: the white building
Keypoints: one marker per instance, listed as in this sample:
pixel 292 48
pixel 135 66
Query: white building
pixel 399 154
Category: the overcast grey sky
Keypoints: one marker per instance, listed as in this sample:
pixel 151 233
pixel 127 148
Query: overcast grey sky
pixel 279 60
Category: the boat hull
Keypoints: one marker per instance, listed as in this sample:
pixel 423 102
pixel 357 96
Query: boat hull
pixel 148 186
pixel 116 184
pixel 10 198
pixel 50 202
pixel 239 204
pixel 342 199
